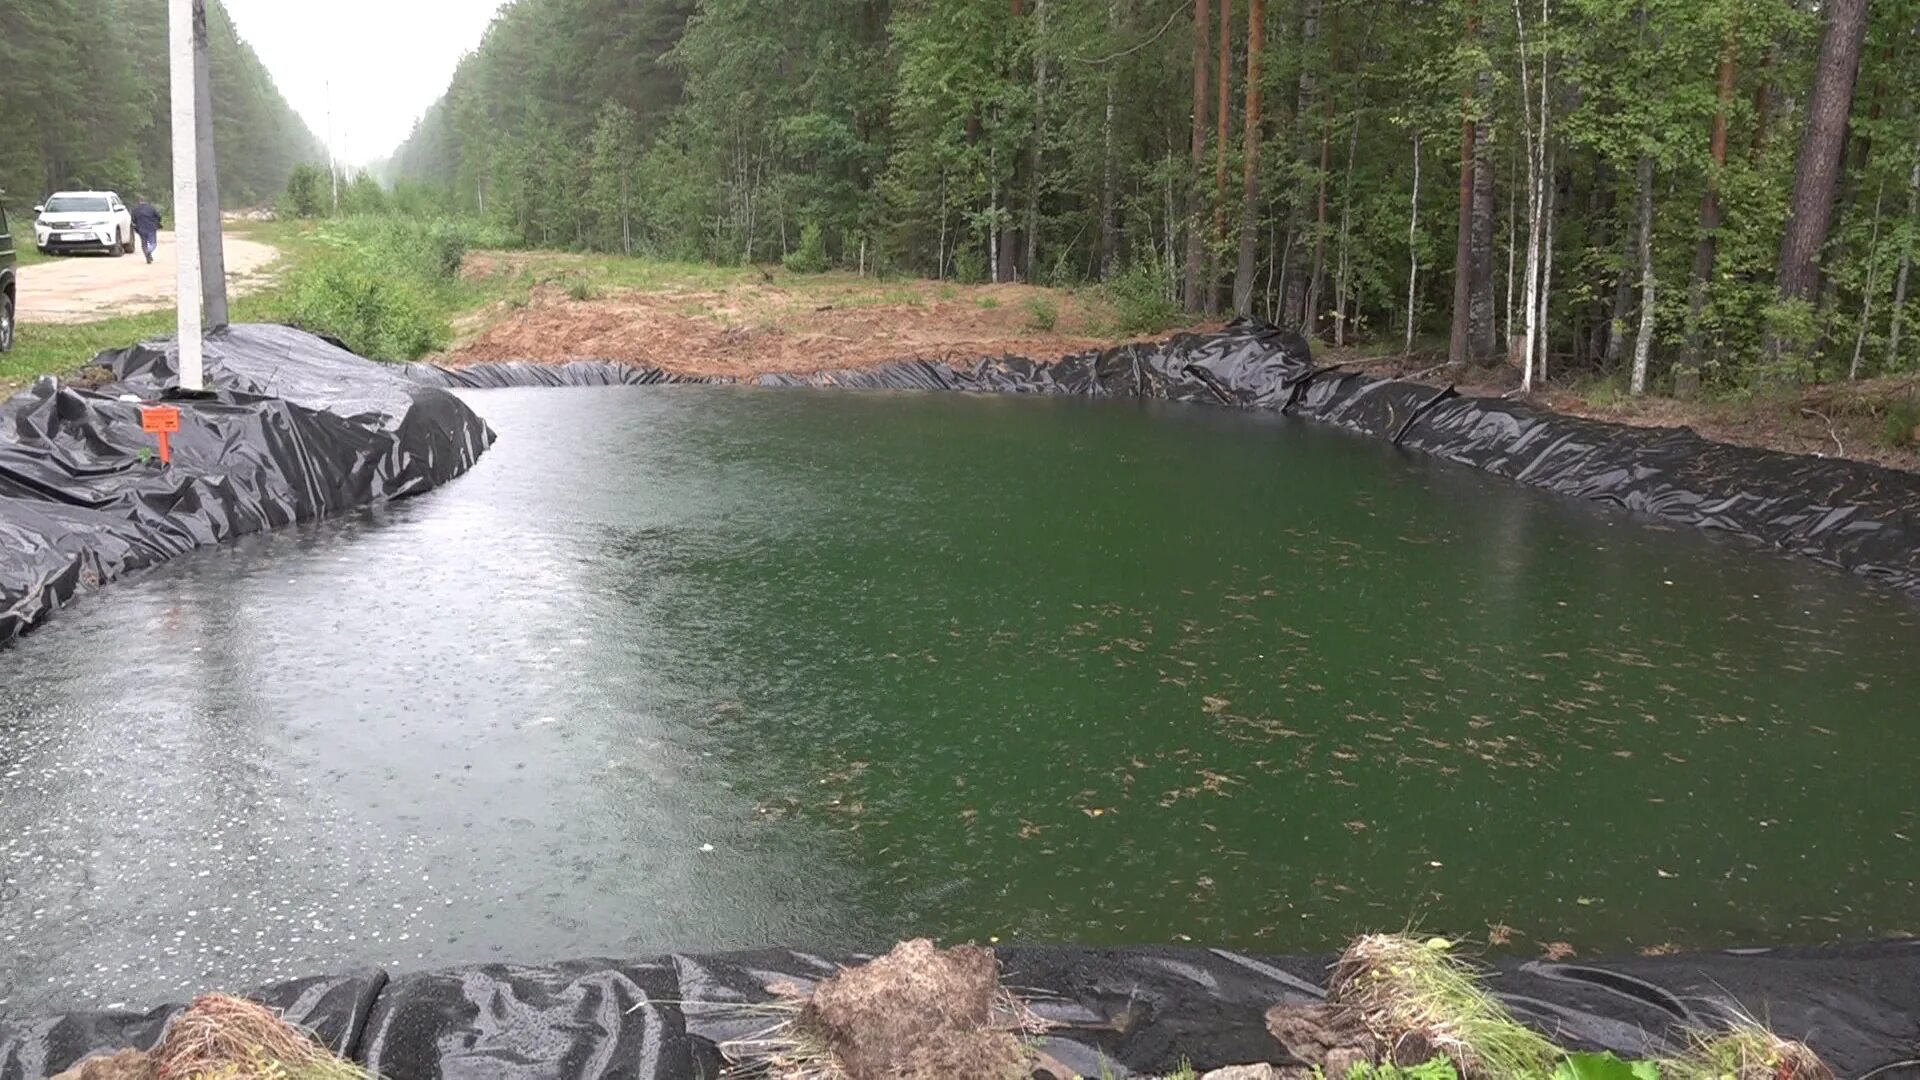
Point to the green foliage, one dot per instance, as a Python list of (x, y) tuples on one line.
[(362, 195), (1900, 428), (1588, 1066), (383, 285), (970, 266), (811, 256), (1439, 1068), (1043, 313), (1141, 298), (307, 194), (376, 315)]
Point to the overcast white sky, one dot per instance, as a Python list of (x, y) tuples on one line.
[(387, 60)]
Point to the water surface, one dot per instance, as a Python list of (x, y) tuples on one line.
[(708, 668)]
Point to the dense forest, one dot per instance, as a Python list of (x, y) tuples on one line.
[(84, 104), (1683, 192)]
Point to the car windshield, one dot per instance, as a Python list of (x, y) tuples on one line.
[(71, 204)]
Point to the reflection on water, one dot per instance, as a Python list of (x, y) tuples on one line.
[(708, 668)]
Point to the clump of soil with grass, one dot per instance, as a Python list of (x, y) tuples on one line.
[(1745, 1051), (1401, 1007), (1421, 1001), (219, 1037), (917, 1013)]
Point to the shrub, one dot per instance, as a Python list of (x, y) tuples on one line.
[(306, 192), (580, 288), (969, 266), (1141, 297), (377, 314), (1900, 428), (811, 256), (1042, 313)]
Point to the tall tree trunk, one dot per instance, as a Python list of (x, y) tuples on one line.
[(1035, 151), (1643, 343), (1816, 173), (1110, 166), (1193, 298), (993, 221), (1459, 350), (1297, 288), (1223, 113), (1413, 246), (1343, 275), (1873, 285), (1906, 265), (1513, 201), (1009, 246), (1617, 311), (1250, 170), (1310, 310), (1482, 321), (626, 215), (1536, 131), (1686, 375), (1546, 270)]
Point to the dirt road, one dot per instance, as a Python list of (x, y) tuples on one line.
[(83, 288)]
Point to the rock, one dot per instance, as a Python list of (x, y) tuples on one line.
[(125, 1065), (1329, 1036), (1246, 1072)]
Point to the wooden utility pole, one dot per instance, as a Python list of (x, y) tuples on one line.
[(213, 260)]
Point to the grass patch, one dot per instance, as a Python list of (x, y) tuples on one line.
[(1406, 988)]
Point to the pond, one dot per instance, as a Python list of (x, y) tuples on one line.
[(709, 668)]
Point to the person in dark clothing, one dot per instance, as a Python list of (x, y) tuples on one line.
[(146, 223)]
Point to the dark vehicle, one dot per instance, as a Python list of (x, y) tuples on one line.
[(9, 291)]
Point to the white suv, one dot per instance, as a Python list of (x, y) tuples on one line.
[(83, 221)]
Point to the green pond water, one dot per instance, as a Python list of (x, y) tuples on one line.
[(701, 668)]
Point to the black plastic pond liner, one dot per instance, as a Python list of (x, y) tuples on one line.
[(294, 429), (1129, 1011), (1860, 517)]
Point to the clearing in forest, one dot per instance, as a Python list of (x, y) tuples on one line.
[(740, 322)]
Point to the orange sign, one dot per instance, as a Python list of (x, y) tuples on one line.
[(159, 419)]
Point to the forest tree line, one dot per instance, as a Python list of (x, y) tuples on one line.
[(84, 105), (1678, 191)]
